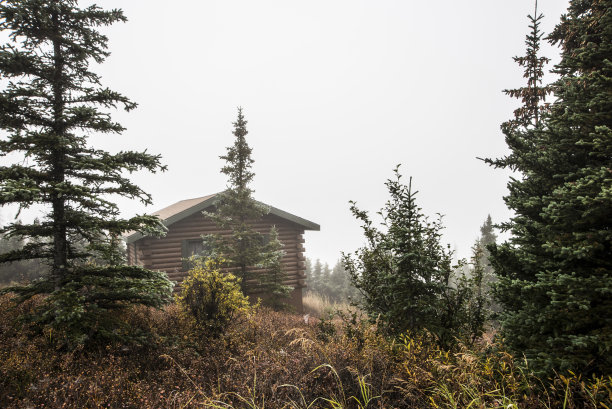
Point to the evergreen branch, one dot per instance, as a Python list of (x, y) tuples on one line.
[(29, 251)]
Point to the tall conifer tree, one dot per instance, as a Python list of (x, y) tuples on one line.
[(487, 232), (487, 239), (246, 250), (315, 279), (235, 208), (50, 102), (555, 271)]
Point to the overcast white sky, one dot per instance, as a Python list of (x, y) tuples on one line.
[(336, 92)]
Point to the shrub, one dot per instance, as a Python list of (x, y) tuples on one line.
[(211, 298), (406, 275), (279, 362)]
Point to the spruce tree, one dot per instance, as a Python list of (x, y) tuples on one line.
[(245, 251), (273, 276), (50, 103), (478, 302), (324, 281), (532, 95), (338, 285), (404, 272), (487, 239), (315, 278), (555, 271), (308, 269), (487, 232)]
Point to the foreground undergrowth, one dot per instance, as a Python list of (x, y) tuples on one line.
[(271, 360)]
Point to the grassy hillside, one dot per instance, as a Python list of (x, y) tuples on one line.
[(270, 360)]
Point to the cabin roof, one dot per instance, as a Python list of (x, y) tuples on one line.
[(185, 208)]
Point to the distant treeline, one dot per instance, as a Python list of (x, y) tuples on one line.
[(333, 284), (18, 271)]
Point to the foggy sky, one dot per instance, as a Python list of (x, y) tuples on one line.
[(336, 93)]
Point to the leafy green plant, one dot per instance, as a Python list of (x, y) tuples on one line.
[(211, 298)]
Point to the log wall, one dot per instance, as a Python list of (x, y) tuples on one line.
[(165, 253)]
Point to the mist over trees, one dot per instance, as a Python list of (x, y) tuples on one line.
[(332, 284), (480, 259), (21, 270), (547, 288)]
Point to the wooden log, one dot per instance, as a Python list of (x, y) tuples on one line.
[(176, 248), (175, 254), (155, 257), (200, 230), (288, 273), (197, 233), (212, 229), (289, 245), (164, 266), (288, 265)]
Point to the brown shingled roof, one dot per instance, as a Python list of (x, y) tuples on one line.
[(181, 206), (179, 210)]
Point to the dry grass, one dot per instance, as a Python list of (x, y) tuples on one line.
[(270, 360), (319, 306)]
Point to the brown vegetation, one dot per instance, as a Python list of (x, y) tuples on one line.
[(317, 305), (272, 360)]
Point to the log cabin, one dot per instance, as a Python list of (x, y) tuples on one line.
[(185, 226)]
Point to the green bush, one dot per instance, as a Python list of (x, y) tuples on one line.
[(406, 276), (211, 298)]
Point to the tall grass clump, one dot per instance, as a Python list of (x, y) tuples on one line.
[(319, 305)]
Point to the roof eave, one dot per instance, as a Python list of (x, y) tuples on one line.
[(175, 218), (306, 224)]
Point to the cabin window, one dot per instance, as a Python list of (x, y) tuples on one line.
[(192, 247)]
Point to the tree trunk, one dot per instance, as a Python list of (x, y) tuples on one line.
[(58, 202)]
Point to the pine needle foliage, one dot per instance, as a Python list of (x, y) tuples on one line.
[(481, 248), (535, 92), (245, 250), (50, 103), (555, 275), (477, 305), (405, 274), (272, 279)]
